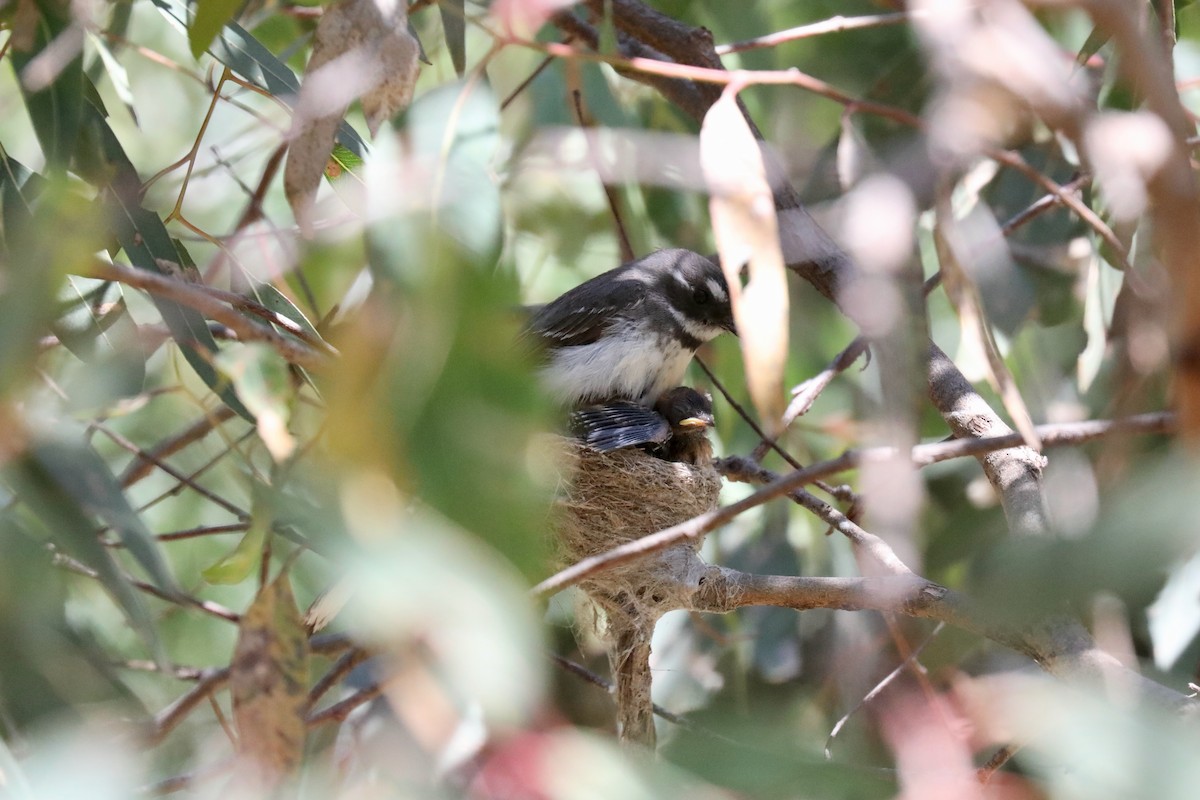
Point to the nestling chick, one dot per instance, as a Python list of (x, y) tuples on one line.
[(676, 429)]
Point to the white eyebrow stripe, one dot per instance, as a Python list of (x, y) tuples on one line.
[(718, 291), (694, 329)]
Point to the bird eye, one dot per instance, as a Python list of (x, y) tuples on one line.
[(701, 295)]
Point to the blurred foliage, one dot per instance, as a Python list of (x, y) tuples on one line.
[(164, 488)]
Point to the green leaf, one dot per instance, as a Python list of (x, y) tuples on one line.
[(117, 75), (145, 240), (49, 228), (79, 471), (346, 159), (237, 49), (454, 26), (19, 187), (72, 531), (114, 363), (55, 108), (274, 300), (236, 565), (81, 328), (211, 16), (262, 381)]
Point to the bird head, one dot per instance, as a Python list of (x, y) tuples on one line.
[(695, 288), (686, 410)]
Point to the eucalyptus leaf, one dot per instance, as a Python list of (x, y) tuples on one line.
[(54, 99), (454, 27), (238, 49), (71, 530), (240, 562), (79, 471), (210, 17), (148, 245)]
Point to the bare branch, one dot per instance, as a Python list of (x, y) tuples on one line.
[(342, 709), (207, 606), (169, 718), (141, 467), (198, 298), (209, 495), (1060, 646), (339, 670), (1052, 435), (836, 24)]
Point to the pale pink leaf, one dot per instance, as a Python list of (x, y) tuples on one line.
[(747, 235)]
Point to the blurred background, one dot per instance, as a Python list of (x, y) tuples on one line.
[(175, 493)]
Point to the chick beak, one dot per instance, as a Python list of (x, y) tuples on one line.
[(696, 423)]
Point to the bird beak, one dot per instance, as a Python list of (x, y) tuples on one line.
[(695, 422), (730, 326)]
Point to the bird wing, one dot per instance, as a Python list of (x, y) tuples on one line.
[(582, 315), (620, 424)]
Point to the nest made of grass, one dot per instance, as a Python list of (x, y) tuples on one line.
[(608, 499)]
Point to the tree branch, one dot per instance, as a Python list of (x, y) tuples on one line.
[(780, 485), (1060, 646), (196, 297)]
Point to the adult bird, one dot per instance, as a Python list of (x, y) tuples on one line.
[(629, 333)]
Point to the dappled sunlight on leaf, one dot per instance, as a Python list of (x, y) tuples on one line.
[(747, 236)]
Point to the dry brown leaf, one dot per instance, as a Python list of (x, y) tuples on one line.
[(269, 683), (362, 49), (747, 233)]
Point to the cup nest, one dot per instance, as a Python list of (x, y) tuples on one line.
[(609, 499)]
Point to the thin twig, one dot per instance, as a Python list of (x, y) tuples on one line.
[(205, 467), (196, 297), (793, 77), (169, 718), (141, 467), (1043, 204), (207, 606), (597, 680), (610, 194), (178, 672), (339, 670), (342, 709), (538, 70), (187, 779), (1051, 435), (689, 529), (998, 760), (210, 530), (836, 24), (832, 491), (208, 494), (879, 687), (804, 395)]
